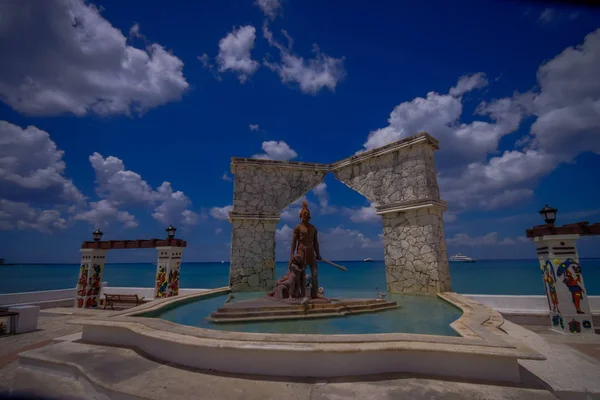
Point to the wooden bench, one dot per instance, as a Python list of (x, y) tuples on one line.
[(111, 299)]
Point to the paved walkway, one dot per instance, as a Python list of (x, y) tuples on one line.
[(122, 373), (52, 325), (572, 366)]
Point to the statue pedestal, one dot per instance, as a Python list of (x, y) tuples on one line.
[(270, 309)]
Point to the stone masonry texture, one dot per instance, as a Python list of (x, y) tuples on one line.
[(252, 255), (269, 189), (405, 175), (415, 252)]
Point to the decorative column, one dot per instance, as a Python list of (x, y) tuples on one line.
[(563, 280), (90, 278), (561, 272), (167, 271)]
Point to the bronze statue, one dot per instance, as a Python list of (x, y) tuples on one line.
[(305, 244), (292, 285)]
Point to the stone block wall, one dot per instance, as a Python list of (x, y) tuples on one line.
[(252, 255), (266, 187), (402, 174), (415, 251)]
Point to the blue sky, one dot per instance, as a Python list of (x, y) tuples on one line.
[(125, 116)]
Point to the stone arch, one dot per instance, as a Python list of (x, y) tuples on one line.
[(261, 189), (400, 178)]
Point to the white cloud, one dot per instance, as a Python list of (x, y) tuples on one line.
[(19, 215), (234, 53), (254, 127), (364, 214), (121, 187), (321, 71), (547, 15), (134, 31), (467, 83), (226, 177), (271, 8), (103, 212), (218, 231), (488, 239), (174, 207), (283, 234), (320, 191), (340, 238), (274, 150), (312, 75), (221, 212), (494, 184), (568, 104), (66, 58), (32, 167)]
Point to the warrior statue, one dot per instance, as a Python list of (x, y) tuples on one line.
[(305, 244)]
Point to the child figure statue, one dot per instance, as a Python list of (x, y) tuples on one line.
[(292, 285)]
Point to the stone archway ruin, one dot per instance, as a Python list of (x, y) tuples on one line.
[(399, 177)]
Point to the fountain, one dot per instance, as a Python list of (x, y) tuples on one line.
[(256, 325), (289, 300)]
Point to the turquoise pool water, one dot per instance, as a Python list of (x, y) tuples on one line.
[(415, 314)]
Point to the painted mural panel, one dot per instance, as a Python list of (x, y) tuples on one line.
[(174, 279), (94, 283), (162, 282), (566, 293), (82, 283)]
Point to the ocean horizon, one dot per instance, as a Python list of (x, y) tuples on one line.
[(498, 276)]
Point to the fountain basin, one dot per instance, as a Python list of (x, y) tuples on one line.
[(482, 351)]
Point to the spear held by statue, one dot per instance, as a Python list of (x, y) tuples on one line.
[(334, 264)]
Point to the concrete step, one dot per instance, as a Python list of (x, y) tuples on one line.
[(239, 314), (274, 305)]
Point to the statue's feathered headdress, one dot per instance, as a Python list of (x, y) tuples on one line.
[(304, 207)]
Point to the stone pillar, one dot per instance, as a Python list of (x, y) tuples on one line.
[(252, 253), (563, 281), (400, 178), (90, 278), (415, 251), (167, 271)]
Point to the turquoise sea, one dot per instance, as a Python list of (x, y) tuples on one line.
[(511, 277)]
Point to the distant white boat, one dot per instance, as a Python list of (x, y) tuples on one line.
[(461, 258), (368, 259), (222, 262)]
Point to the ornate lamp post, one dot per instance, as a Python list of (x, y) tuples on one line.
[(171, 231), (549, 214), (97, 235)]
